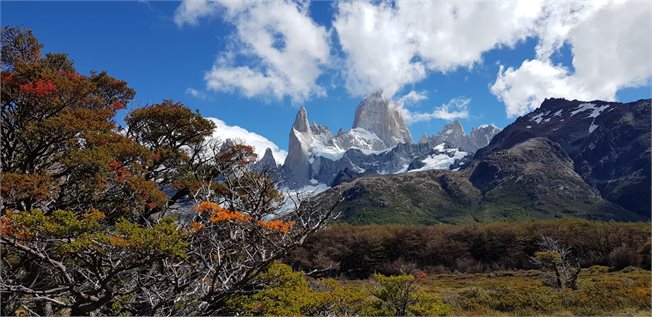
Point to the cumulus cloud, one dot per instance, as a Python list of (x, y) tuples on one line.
[(390, 45), (456, 108), (611, 50), (224, 131), (277, 50)]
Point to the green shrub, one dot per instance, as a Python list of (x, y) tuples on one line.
[(399, 296), (598, 269), (334, 299), (285, 293)]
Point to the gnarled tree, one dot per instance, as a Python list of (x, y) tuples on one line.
[(149, 218)]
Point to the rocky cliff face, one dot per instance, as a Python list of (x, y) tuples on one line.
[(377, 114), (296, 163), (608, 143), (567, 158), (454, 134)]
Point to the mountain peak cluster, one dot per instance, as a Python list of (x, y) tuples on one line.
[(379, 142), (566, 158)]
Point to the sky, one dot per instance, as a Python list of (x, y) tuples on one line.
[(250, 66)]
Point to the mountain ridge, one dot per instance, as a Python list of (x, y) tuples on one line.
[(378, 142), (567, 158)]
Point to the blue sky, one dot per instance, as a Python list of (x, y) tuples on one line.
[(166, 49)]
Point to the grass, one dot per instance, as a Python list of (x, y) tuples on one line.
[(518, 293)]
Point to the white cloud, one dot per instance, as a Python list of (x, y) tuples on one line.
[(413, 97), (283, 49), (388, 46), (190, 11), (456, 108), (611, 50), (196, 93), (259, 142)]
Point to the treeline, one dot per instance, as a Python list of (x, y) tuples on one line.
[(359, 251)]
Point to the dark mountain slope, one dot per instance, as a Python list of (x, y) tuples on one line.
[(608, 142), (568, 158)]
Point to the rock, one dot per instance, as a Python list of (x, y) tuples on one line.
[(379, 115)]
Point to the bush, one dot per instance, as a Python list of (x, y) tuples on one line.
[(624, 256), (400, 296), (334, 299), (609, 296), (520, 300), (285, 293), (596, 269)]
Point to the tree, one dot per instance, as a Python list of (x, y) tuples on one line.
[(399, 296), (555, 257), (91, 220)]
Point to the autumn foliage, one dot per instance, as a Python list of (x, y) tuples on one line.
[(94, 216)]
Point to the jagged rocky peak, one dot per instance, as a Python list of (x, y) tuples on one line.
[(378, 114), (268, 158), (301, 122), (453, 133), (424, 138), (296, 163), (454, 127), (266, 162)]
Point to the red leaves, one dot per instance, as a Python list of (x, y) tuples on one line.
[(114, 165), (156, 156), (421, 276), (72, 75), (118, 105), (7, 77), (39, 88), (238, 154)]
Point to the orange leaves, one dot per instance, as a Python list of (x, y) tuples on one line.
[(26, 187), (95, 214), (206, 206), (218, 214), (9, 229), (39, 88), (226, 215), (116, 241), (196, 227), (72, 75), (277, 225)]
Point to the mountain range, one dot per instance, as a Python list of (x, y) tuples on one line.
[(378, 143), (567, 158)]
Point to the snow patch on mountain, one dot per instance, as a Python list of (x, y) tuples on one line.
[(595, 110), (441, 161)]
